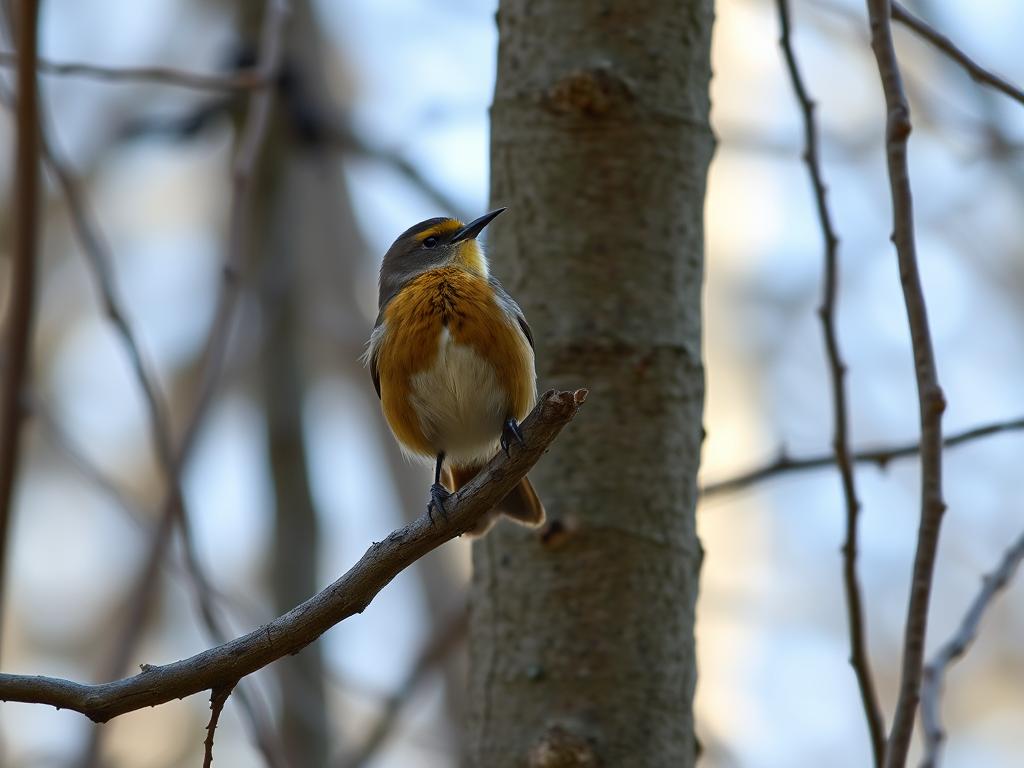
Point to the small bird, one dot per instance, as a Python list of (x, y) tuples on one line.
[(451, 357)]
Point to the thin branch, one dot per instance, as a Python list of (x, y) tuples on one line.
[(956, 646), (243, 80), (98, 256), (25, 212), (349, 595), (218, 698), (879, 456), (439, 645), (977, 73), (859, 658), (931, 400)]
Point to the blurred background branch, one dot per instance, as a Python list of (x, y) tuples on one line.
[(240, 81), (881, 457), (174, 511), (17, 352), (954, 648)]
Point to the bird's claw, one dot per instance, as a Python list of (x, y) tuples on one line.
[(438, 496), (510, 432)]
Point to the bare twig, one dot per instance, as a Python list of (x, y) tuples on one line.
[(98, 255), (350, 594), (879, 456), (946, 46), (932, 401), (439, 645), (956, 646), (218, 698), (243, 80), (859, 658), (25, 209)]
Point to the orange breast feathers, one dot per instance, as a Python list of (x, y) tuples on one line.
[(465, 304)]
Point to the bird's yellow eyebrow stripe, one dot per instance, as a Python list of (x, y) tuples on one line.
[(444, 228)]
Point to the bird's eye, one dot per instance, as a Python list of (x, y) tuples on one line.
[(430, 242)]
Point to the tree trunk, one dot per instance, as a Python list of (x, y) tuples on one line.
[(299, 202), (582, 648)]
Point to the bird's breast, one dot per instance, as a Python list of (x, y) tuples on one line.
[(453, 366), (460, 401)]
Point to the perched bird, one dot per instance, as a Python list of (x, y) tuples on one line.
[(451, 356)]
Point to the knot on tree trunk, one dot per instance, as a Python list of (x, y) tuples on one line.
[(560, 747), (592, 92)]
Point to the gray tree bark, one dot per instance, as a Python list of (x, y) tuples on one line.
[(582, 647)]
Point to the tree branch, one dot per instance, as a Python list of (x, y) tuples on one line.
[(218, 698), (352, 593), (880, 456), (956, 646), (98, 256), (837, 369), (931, 400), (243, 80), (977, 73), (25, 212)]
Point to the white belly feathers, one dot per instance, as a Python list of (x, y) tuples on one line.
[(460, 402)]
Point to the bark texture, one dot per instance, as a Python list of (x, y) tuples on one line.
[(582, 647)]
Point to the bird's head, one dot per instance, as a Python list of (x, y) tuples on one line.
[(432, 244)]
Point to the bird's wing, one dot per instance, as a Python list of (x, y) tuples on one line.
[(509, 305), (375, 374), (372, 347)]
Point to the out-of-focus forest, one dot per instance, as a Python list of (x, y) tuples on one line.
[(292, 474)]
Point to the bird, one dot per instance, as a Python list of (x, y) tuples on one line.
[(452, 359)]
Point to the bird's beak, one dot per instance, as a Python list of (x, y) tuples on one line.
[(475, 227)]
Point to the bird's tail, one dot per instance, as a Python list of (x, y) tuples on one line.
[(521, 504)]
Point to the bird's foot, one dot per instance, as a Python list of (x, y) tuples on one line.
[(510, 432), (438, 496)]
